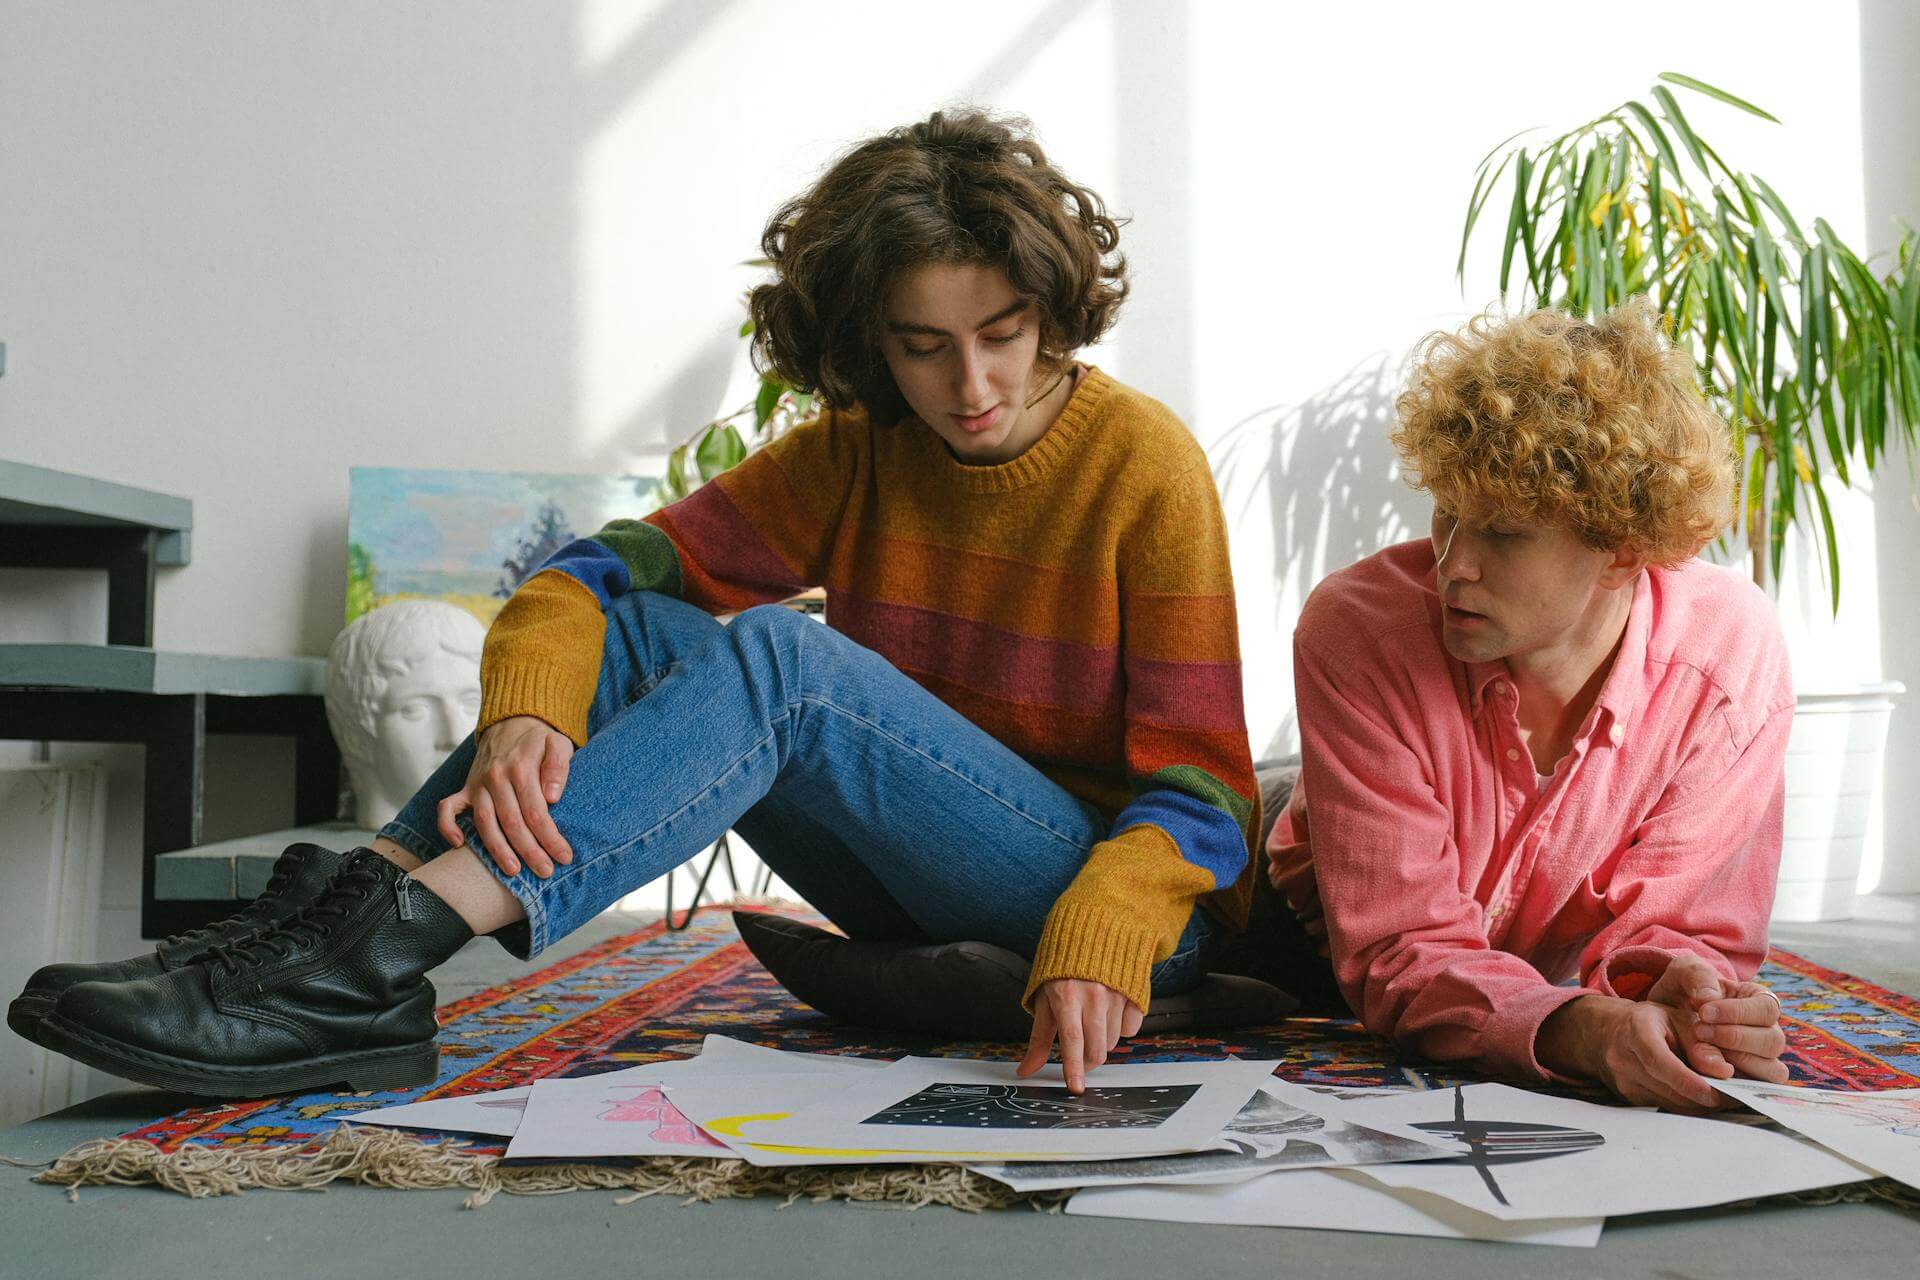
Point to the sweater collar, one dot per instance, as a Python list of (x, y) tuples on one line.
[(1046, 455)]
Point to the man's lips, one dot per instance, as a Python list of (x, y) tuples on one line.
[(1464, 617), (978, 422)]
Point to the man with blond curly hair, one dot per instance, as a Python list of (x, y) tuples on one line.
[(1547, 743)]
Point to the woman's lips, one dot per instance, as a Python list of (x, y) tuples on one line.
[(979, 422)]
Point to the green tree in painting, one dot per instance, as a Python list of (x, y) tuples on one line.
[(359, 581), (551, 531)]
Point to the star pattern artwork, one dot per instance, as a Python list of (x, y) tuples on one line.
[(998, 1106)]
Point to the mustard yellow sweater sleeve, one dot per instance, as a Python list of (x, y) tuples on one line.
[(1189, 832)]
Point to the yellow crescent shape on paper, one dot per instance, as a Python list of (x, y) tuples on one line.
[(729, 1126)]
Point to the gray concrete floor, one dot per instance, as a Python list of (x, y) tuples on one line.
[(351, 1232)]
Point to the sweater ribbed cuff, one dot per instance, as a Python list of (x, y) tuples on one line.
[(1088, 942), (553, 693)]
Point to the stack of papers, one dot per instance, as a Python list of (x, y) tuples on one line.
[(1208, 1142)]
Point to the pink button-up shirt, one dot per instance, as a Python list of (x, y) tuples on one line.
[(1457, 891)]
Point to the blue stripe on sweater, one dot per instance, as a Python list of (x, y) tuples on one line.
[(594, 567), (1207, 836)]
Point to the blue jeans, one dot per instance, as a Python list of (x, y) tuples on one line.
[(886, 809)]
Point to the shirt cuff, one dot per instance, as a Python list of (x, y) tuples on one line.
[(1508, 1035), (1631, 971)]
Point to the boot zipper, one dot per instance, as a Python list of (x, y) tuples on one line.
[(400, 887)]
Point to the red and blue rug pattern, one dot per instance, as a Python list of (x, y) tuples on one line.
[(655, 994)]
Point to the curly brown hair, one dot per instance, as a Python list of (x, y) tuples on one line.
[(1546, 419), (960, 187)]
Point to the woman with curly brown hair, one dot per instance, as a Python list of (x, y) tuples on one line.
[(1022, 724), (1548, 741)]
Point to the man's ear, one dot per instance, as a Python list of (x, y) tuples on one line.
[(1625, 566)]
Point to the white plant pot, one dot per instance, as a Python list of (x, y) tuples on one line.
[(1834, 764)]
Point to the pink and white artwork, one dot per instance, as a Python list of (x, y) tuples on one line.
[(649, 1106), (1880, 1130)]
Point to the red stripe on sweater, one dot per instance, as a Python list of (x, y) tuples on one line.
[(1185, 695), (1002, 664), (710, 529)]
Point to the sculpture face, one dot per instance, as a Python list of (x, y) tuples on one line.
[(422, 716), (403, 690)]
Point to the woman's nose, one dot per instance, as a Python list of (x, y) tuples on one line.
[(973, 389)]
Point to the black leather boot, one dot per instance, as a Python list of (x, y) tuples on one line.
[(299, 876), (336, 996)]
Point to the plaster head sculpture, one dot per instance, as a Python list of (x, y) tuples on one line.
[(403, 690)]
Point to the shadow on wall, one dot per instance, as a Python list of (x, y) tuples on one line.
[(1328, 472)]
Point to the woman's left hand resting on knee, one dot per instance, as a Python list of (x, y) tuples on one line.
[(1087, 1018), (519, 768)]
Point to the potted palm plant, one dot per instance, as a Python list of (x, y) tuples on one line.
[(1810, 353)]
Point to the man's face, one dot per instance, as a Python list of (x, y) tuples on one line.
[(1512, 591)]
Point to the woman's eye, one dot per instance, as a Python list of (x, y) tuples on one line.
[(919, 353), (1002, 340)]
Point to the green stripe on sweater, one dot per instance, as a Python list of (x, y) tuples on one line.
[(1196, 781), (651, 561)]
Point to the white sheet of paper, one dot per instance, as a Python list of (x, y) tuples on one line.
[(496, 1112), (1283, 1126), (499, 1112), (1537, 1156), (1327, 1200), (947, 1104), (1880, 1130), (733, 1108), (723, 1052)]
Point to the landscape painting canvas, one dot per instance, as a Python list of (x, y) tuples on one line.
[(470, 537)]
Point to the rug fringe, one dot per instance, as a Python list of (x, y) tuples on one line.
[(392, 1158)]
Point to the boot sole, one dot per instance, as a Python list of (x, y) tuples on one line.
[(27, 1012), (362, 1071)]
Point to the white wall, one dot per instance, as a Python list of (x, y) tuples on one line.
[(246, 247)]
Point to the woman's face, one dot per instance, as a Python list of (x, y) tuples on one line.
[(962, 346)]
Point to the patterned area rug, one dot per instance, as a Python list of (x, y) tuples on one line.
[(654, 994)]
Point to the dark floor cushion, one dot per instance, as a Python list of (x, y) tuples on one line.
[(962, 990)]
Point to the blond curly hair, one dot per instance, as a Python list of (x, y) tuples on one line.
[(1545, 419)]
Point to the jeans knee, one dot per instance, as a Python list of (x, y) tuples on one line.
[(771, 624)]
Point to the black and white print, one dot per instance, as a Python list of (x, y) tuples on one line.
[(1034, 1106)]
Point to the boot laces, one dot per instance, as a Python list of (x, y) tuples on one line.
[(311, 923), (257, 914)]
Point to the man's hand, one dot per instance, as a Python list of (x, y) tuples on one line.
[(519, 768), (1089, 1020), (1631, 1046), (1735, 1027)]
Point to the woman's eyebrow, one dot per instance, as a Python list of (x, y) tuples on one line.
[(1006, 312)]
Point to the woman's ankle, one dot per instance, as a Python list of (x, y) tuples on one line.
[(392, 852)]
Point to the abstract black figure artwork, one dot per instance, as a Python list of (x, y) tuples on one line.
[(1027, 1106), (1492, 1142)]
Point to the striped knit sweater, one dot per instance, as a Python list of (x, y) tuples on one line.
[(1075, 603)]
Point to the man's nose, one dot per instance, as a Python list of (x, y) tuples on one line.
[(1456, 559)]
